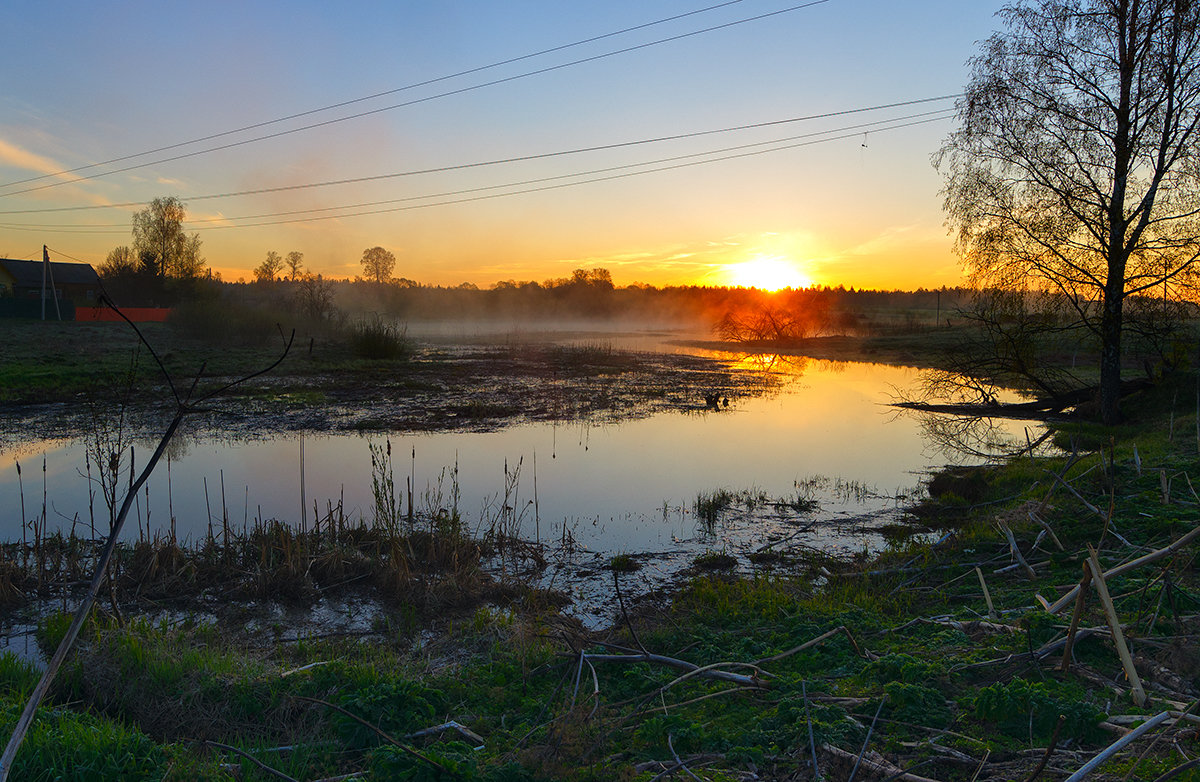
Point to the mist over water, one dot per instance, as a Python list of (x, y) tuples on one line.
[(610, 488)]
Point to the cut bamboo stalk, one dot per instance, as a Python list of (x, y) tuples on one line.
[(1114, 624)]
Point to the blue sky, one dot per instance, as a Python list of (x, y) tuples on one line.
[(100, 81)]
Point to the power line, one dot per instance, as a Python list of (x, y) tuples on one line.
[(586, 181), (502, 161), (851, 131), (404, 104), (857, 128), (72, 257), (373, 96)]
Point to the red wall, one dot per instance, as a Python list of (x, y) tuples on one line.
[(136, 314)]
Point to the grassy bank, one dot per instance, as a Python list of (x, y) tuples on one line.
[(936, 660)]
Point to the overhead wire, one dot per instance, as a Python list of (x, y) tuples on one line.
[(385, 93), (573, 184), (499, 161), (413, 102), (851, 131)]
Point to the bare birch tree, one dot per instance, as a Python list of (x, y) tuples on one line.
[(1075, 168)]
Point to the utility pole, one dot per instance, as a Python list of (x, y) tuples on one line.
[(47, 271)]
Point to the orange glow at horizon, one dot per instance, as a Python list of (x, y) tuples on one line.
[(768, 273)]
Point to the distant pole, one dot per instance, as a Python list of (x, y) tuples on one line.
[(45, 271)]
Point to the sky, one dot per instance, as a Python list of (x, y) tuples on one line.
[(513, 140)]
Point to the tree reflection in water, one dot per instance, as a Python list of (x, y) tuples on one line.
[(978, 438)]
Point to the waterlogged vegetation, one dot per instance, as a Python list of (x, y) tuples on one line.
[(434, 649), (462, 673)]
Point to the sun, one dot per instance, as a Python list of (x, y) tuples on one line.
[(768, 273)]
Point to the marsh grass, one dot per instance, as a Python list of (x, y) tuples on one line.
[(624, 563), (712, 508), (431, 565), (379, 340)]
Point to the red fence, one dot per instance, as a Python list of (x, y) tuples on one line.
[(136, 314)]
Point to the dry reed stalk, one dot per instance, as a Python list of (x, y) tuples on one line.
[(987, 596), (811, 643), (382, 734), (1012, 544), (1075, 617), (707, 671), (1114, 624), (1086, 770), (1153, 556), (881, 769)]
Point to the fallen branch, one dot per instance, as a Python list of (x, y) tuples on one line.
[(987, 596), (1037, 772), (1016, 551), (1075, 617), (1191, 764)]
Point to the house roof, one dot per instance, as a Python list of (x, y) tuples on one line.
[(29, 273)]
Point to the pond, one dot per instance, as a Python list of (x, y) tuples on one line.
[(818, 460)]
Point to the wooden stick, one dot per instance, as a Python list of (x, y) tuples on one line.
[(1188, 766), (1037, 772), (1153, 556), (463, 730), (1114, 624), (1036, 519)]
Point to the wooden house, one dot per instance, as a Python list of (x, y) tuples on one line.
[(77, 283)]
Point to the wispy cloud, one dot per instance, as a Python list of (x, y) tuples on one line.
[(15, 156)]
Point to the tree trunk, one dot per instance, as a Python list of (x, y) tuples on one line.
[(1110, 358)]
